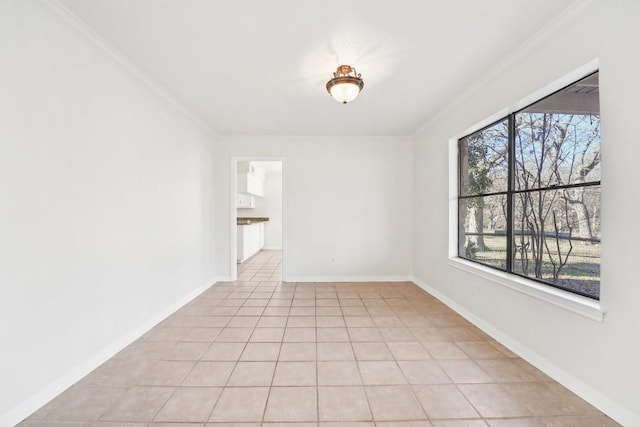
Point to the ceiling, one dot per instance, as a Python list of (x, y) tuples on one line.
[(256, 67)]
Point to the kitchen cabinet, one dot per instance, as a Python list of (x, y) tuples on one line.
[(250, 240), (250, 184), (250, 179)]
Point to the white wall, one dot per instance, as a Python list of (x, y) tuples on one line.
[(598, 360), (349, 204), (271, 206), (106, 199)]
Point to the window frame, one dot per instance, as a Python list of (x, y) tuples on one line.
[(506, 193), (584, 305)]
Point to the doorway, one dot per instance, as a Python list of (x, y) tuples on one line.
[(257, 249), (265, 266)]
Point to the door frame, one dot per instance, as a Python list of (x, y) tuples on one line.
[(233, 191)]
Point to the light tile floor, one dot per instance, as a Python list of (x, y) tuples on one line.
[(263, 266), (264, 353)]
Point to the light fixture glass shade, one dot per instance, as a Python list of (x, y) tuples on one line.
[(344, 92), (345, 85)]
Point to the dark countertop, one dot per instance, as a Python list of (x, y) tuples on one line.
[(246, 220)]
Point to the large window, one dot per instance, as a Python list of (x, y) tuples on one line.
[(529, 191)]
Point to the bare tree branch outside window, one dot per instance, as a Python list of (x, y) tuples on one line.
[(540, 181)]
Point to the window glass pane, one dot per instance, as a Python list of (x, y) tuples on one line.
[(556, 238), (483, 237), (553, 191), (557, 140), (483, 160)]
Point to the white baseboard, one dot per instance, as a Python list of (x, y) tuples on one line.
[(274, 248), (41, 398), (321, 279), (349, 278), (594, 397)]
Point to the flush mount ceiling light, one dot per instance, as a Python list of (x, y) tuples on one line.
[(345, 85)]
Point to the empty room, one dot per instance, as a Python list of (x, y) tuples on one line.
[(302, 213)]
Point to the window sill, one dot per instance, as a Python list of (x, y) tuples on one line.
[(575, 303)]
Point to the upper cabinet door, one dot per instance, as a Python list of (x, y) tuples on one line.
[(250, 179), (255, 186)]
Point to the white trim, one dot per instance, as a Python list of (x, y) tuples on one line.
[(586, 392), (285, 220), (233, 189), (78, 24), (581, 305), (586, 307), (498, 70), (342, 139), (320, 279), (233, 213), (41, 398), (560, 83)]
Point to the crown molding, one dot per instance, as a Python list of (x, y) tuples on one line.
[(556, 24), (82, 27), (312, 138)]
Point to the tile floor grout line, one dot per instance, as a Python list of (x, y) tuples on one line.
[(364, 388), (275, 368), (317, 362), (409, 385), (174, 391)]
